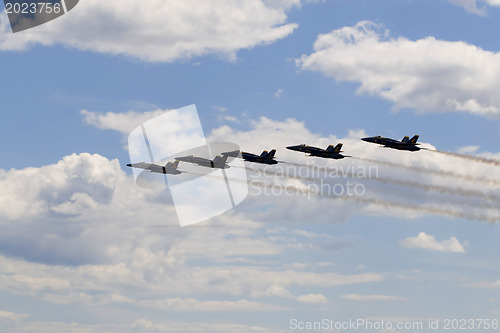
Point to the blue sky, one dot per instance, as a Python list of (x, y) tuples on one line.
[(81, 248)]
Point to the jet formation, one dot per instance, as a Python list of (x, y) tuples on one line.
[(220, 161)]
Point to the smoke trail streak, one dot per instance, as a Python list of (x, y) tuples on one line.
[(424, 187), (470, 158), (425, 170), (430, 209), (368, 200), (384, 203)]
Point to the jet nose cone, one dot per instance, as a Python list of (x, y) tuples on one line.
[(129, 165), (291, 147)]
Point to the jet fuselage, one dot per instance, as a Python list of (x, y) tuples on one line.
[(169, 168), (205, 162), (315, 151), (258, 159), (391, 143)]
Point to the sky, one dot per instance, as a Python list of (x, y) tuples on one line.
[(85, 249)]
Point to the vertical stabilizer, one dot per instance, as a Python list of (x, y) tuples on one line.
[(414, 139)]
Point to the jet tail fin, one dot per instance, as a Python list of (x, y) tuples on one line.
[(405, 139), (335, 149), (220, 159), (414, 140), (264, 153), (173, 165), (271, 153)]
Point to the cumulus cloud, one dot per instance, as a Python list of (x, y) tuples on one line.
[(130, 326), (478, 7), (485, 285), (107, 254), (279, 92), (190, 304), (73, 184), (471, 6), (312, 298), (83, 231), (428, 74), (124, 122), (7, 316), (274, 290), (161, 31), (429, 242), (363, 298)]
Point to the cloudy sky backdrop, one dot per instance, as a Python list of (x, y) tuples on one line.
[(83, 249)]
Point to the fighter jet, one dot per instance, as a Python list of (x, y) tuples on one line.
[(218, 162), (329, 152), (265, 158), (405, 144), (169, 168)]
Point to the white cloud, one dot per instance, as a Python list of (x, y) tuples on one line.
[(75, 182), (129, 326), (229, 118), (124, 122), (363, 298), (471, 6), (274, 290), (142, 283), (485, 285), (468, 150), (312, 298), (428, 75), (83, 229), (429, 242), (12, 316), (159, 30), (190, 304), (279, 92), (478, 7), (106, 255)]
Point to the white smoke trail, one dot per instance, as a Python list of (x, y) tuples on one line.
[(425, 170), (492, 198), (470, 158), (428, 209)]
